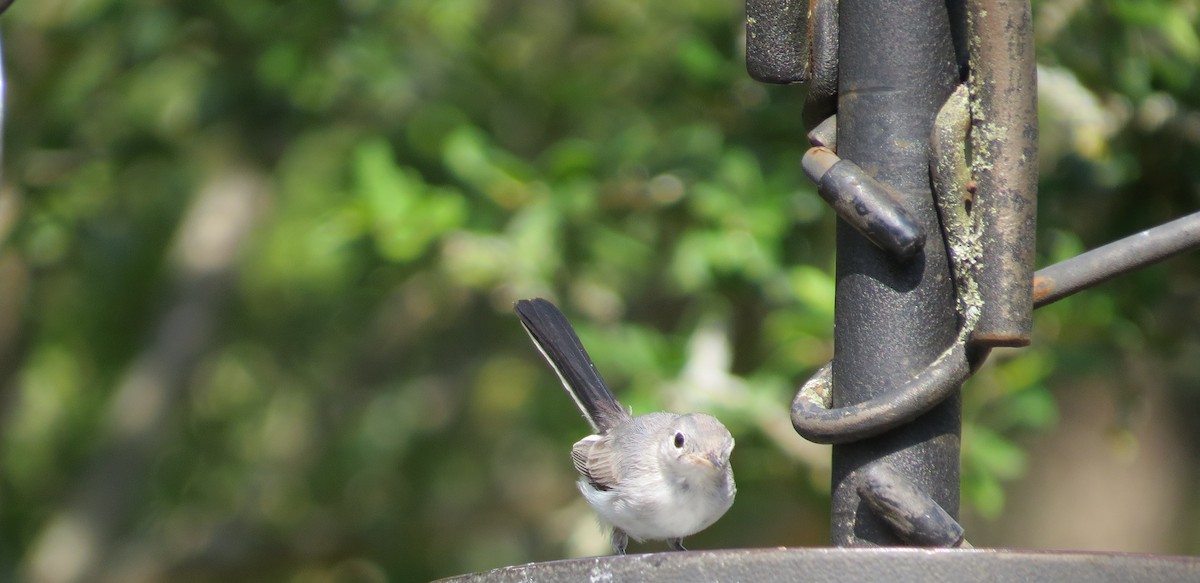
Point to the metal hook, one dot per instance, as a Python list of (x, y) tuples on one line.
[(815, 420)]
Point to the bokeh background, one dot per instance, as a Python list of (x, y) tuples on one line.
[(259, 259)]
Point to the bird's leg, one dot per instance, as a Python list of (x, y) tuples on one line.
[(676, 544), (620, 540)]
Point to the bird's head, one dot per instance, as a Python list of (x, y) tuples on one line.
[(696, 445)]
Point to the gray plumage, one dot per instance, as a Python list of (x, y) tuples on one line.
[(654, 476)]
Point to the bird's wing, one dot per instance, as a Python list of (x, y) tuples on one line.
[(594, 459)]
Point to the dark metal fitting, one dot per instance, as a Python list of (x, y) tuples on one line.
[(796, 41), (864, 203), (825, 134), (777, 41), (913, 515), (815, 420)]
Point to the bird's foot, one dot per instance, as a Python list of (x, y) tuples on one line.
[(620, 541), (676, 544)]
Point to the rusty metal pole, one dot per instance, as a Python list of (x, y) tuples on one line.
[(1004, 142), (893, 317)]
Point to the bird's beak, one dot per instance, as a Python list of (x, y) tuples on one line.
[(716, 459), (703, 460), (712, 459)]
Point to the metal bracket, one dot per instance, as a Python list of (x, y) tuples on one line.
[(796, 41)]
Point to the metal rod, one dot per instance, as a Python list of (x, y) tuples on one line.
[(864, 203), (914, 516), (1004, 145), (1101, 264), (892, 318)]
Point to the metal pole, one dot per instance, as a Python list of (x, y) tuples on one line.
[(893, 317)]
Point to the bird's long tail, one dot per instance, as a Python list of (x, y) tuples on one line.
[(556, 340)]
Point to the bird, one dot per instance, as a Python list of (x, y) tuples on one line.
[(656, 476)]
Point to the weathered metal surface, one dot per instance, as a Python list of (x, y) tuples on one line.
[(915, 517), (824, 133), (777, 40), (821, 101), (898, 403), (895, 68), (831, 565), (951, 176), (1004, 135), (1101, 264), (864, 203)]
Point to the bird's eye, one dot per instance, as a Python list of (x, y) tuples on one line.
[(678, 440)]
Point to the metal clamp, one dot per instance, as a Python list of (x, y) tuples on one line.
[(813, 414), (796, 41), (966, 224)]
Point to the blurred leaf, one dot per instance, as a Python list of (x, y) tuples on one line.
[(985, 494), (1019, 374), (408, 215), (995, 455), (814, 288)]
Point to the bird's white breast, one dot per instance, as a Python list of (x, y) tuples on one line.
[(654, 509)]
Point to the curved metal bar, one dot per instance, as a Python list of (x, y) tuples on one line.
[(960, 227), (814, 421)]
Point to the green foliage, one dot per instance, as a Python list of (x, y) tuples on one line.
[(351, 398)]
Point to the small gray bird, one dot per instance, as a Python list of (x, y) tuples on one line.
[(655, 476)]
